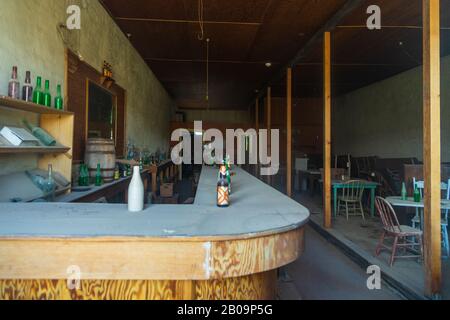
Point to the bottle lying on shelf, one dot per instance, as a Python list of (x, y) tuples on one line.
[(41, 134)]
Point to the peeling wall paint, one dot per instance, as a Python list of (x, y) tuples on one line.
[(31, 40)]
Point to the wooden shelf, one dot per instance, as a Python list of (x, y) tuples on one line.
[(29, 107), (35, 150)]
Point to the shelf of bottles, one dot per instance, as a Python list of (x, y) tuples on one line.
[(55, 131)]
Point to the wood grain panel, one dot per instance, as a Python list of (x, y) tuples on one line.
[(260, 286), (243, 257), (150, 259)]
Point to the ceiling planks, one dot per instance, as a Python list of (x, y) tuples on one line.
[(247, 34)]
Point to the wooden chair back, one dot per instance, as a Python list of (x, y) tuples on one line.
[(353, 189), (387, 214)]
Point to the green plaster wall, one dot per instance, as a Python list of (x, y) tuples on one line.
[(385, 119), (30, 39)]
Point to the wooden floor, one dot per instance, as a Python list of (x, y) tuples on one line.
[(362, 238)]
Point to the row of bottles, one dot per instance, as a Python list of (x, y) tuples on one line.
[(37, 95), (417, 197), (84, 178)]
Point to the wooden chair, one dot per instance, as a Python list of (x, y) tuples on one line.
[(351, 198), (401, 234), (416, 221)]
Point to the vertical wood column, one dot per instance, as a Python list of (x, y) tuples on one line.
[(432, 147), (269, 126), (256, 166), (289, 133), (327, 130)]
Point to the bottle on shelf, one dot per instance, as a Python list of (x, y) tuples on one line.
[(223, 194), (136, 192), (27, 89), (50, 185), (404, 194), (47, 98), (14, 85), (98, 176), (116, 173), (41, 134), (59, 105), (38, 95)]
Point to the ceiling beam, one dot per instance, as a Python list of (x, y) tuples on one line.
[(240, 23), (348, 7)]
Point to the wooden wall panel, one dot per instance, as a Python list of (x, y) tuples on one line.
[(78, 74), (260, 286)]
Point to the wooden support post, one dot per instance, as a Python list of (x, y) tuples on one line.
[(289, 133), (327, 130), (432, 147), (269, 126), (257, 133)]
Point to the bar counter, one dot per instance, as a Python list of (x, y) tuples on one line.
[(194, 251)]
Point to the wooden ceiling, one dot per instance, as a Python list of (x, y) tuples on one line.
[(245, 34)]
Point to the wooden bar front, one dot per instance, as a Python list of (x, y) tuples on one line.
[(194, 251)]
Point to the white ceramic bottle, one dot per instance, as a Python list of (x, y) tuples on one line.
[(136, 192)]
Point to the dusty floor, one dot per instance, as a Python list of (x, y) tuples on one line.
[(363, 237), (323, 272)]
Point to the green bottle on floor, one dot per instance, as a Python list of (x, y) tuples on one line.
[(47, 96)]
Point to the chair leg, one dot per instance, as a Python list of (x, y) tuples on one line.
[(419, 238), (445, 240), (394, 251), (346, 209), (380, 244), (362, 210)]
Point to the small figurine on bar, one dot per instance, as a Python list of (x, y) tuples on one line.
[(223, 194)]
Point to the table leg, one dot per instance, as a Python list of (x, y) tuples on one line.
[(335, 201), (372, 202)]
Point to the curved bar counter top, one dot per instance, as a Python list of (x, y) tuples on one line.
[(194, 251)]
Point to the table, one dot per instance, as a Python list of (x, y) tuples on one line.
[(410, 203), (312, 176), (164, 252), (340, 184)]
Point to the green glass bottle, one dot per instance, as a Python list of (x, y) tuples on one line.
[(404, 193), (98, 176), (86, 176), (58, 98), (417, 197), (81, 176), (47, 99), (38, 95)]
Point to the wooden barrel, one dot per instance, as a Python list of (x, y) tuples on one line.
[(103, 152)]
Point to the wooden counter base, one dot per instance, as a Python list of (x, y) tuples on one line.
[(260, 286)]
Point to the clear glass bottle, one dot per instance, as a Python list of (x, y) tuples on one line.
[(50, 185), (47, 98), (27, 89), (58, 98), (38, 95), (14, 85)]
